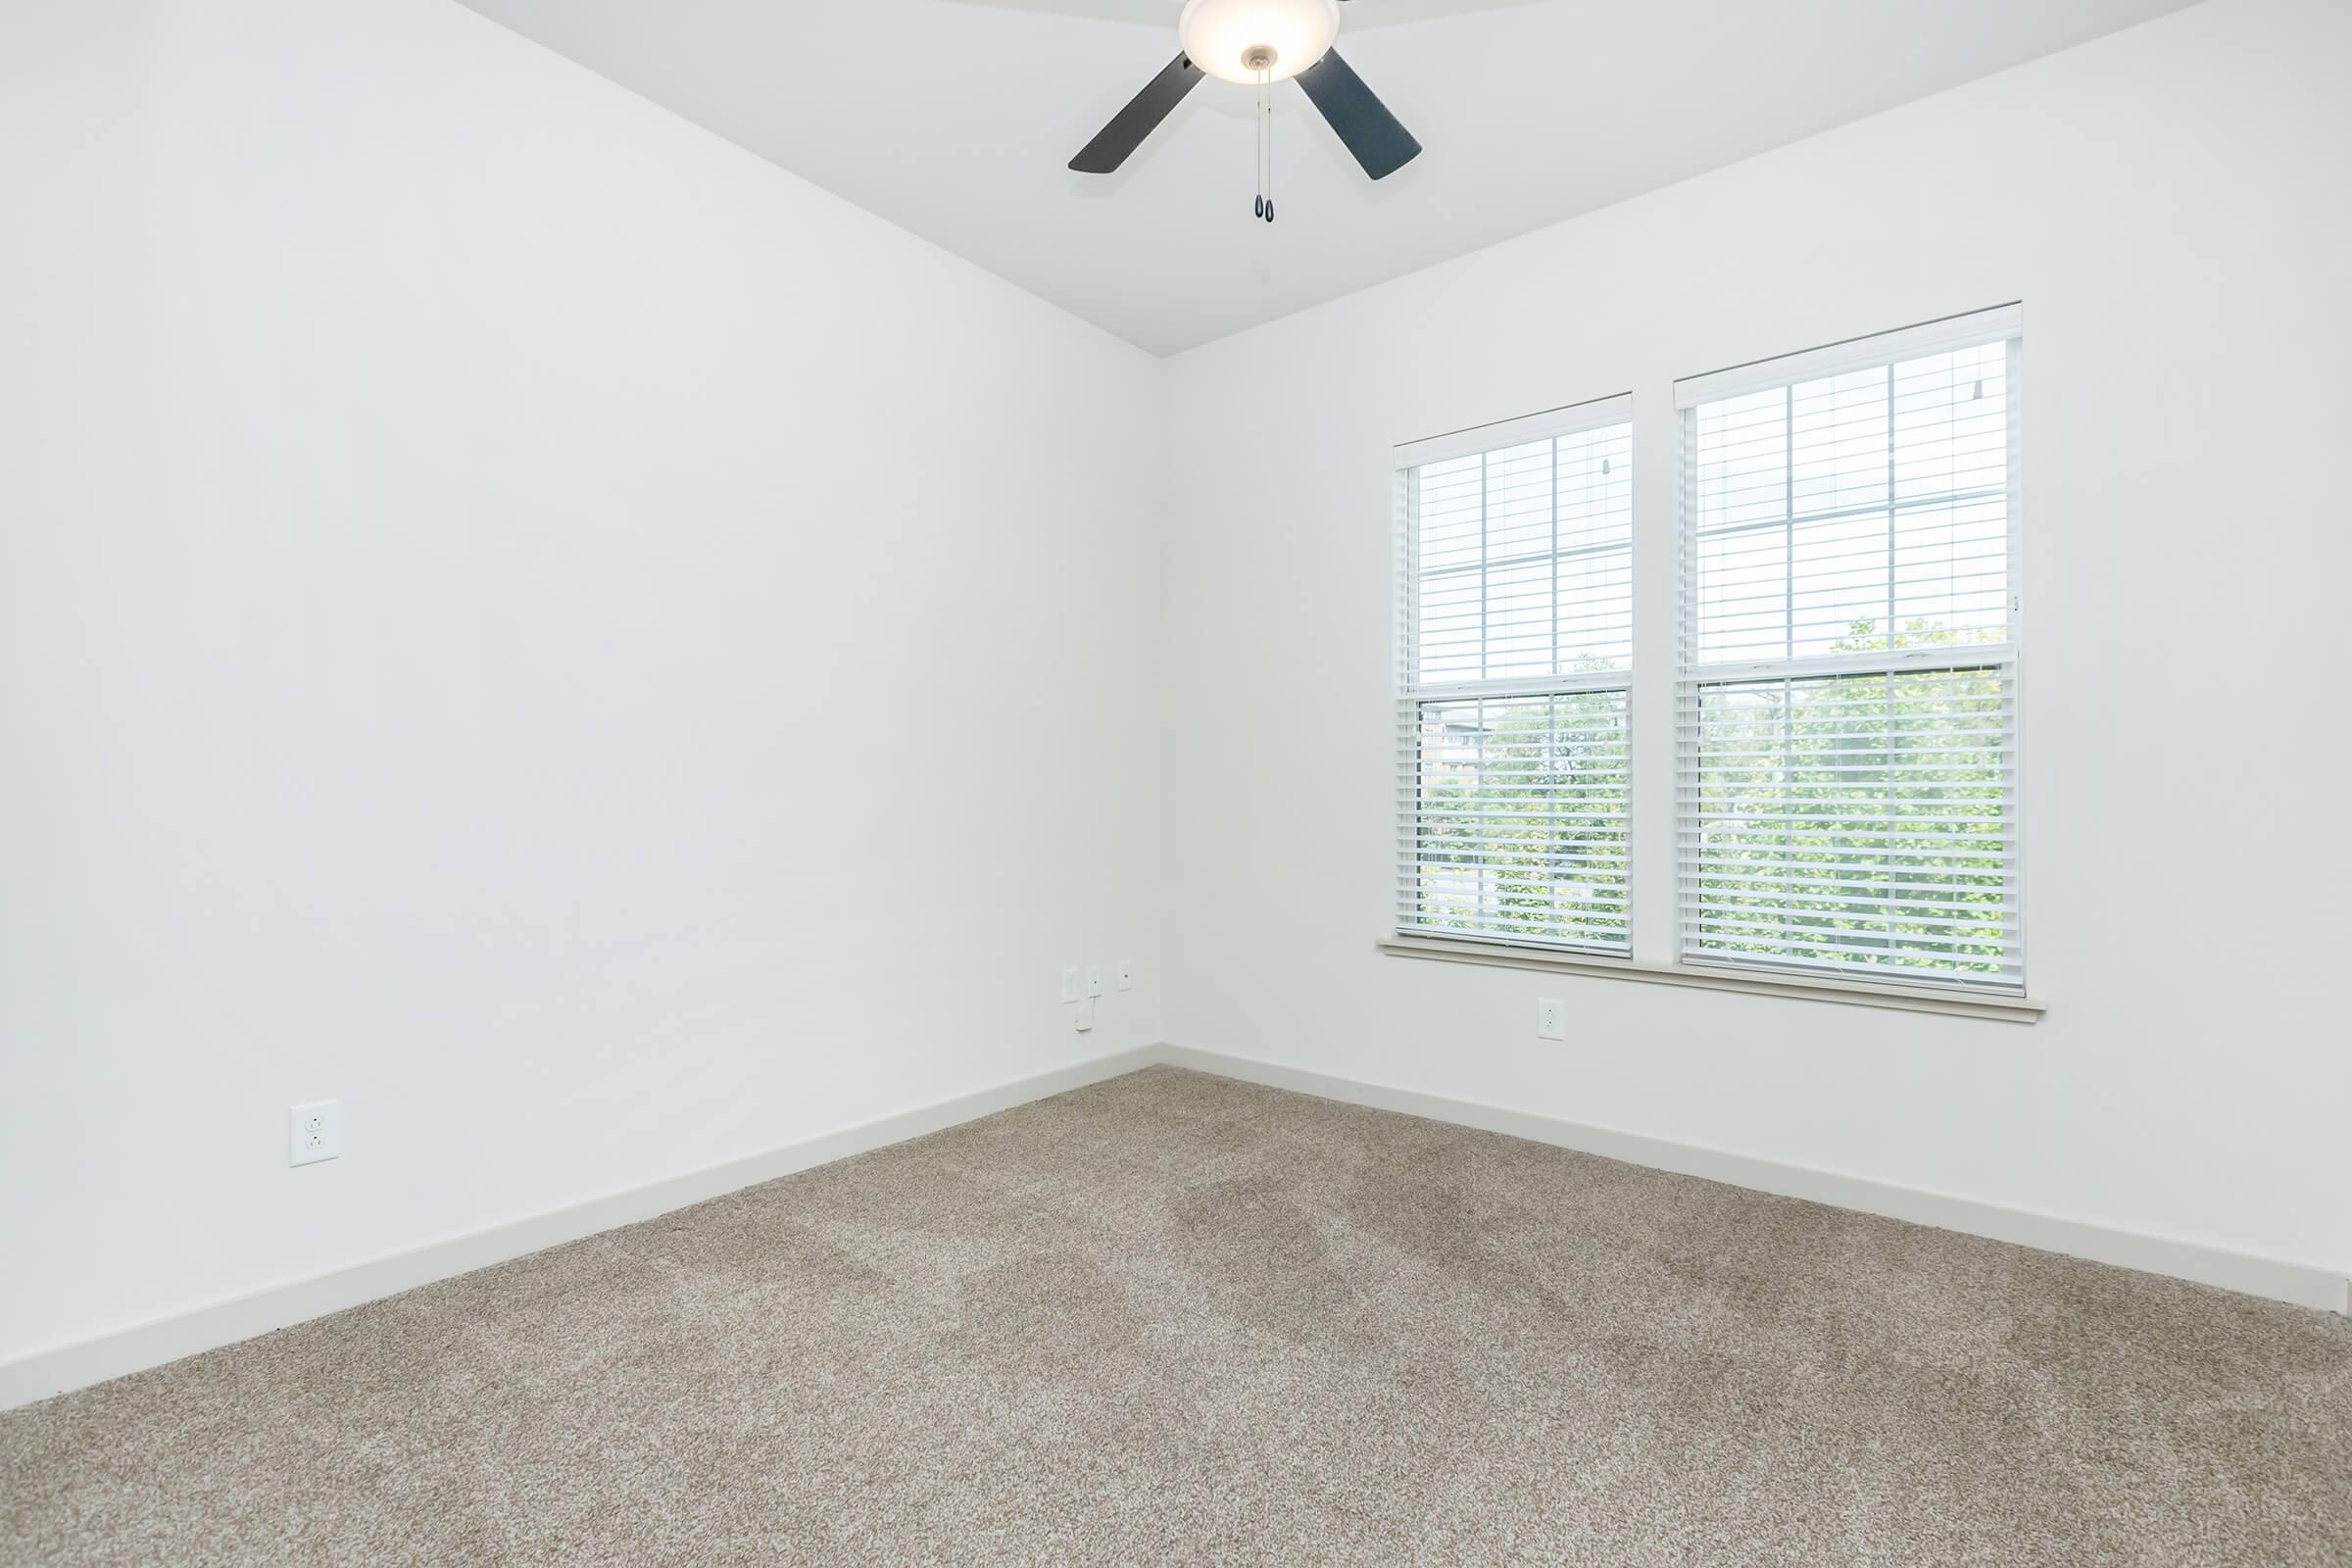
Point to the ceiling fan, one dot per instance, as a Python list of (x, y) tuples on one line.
[(1257, 43)]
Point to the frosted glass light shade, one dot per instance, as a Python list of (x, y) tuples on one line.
[(1223, 36)]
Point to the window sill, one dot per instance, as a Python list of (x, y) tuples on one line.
[(1911, 998)]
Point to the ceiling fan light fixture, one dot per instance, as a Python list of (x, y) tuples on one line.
[(1257, 40)]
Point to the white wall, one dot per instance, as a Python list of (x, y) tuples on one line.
[(2172, 206), (521, 616), (518, 614)]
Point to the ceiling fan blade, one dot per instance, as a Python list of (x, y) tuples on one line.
[(1142, 114), (1379, 143)]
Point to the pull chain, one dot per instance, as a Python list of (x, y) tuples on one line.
[(1264, 207), (1257, 169)]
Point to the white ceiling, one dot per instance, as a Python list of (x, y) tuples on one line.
[(955, 118)]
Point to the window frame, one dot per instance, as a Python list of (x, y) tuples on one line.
[(1411, 694), (2004, 325), (1656, 692)]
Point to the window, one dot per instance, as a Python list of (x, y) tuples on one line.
[(1846, 789), (1515, 654)]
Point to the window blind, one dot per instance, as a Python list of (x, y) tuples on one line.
[(1514, 654), (1847, 752)]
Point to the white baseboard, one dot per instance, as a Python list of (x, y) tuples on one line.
[(2302, 1284), (145, 1345), (111, 1355)]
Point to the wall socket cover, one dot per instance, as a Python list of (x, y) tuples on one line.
[(1126, 974), (1094, 979), (315, 1132), (1552, 1019)]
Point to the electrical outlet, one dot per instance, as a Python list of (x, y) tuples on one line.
[(1552, 1019), (1094, 980), (315, 1132), (1069, 985), (1126, 974), (1082, 1018)]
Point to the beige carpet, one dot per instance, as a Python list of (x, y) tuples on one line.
[(1173, 1317)]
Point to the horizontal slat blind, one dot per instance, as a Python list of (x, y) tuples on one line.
[(1848, 819), (1515, 823), (1515, 642), (1847, 788)]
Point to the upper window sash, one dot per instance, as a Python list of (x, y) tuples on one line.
[(1834, 510), (1516, 559)]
